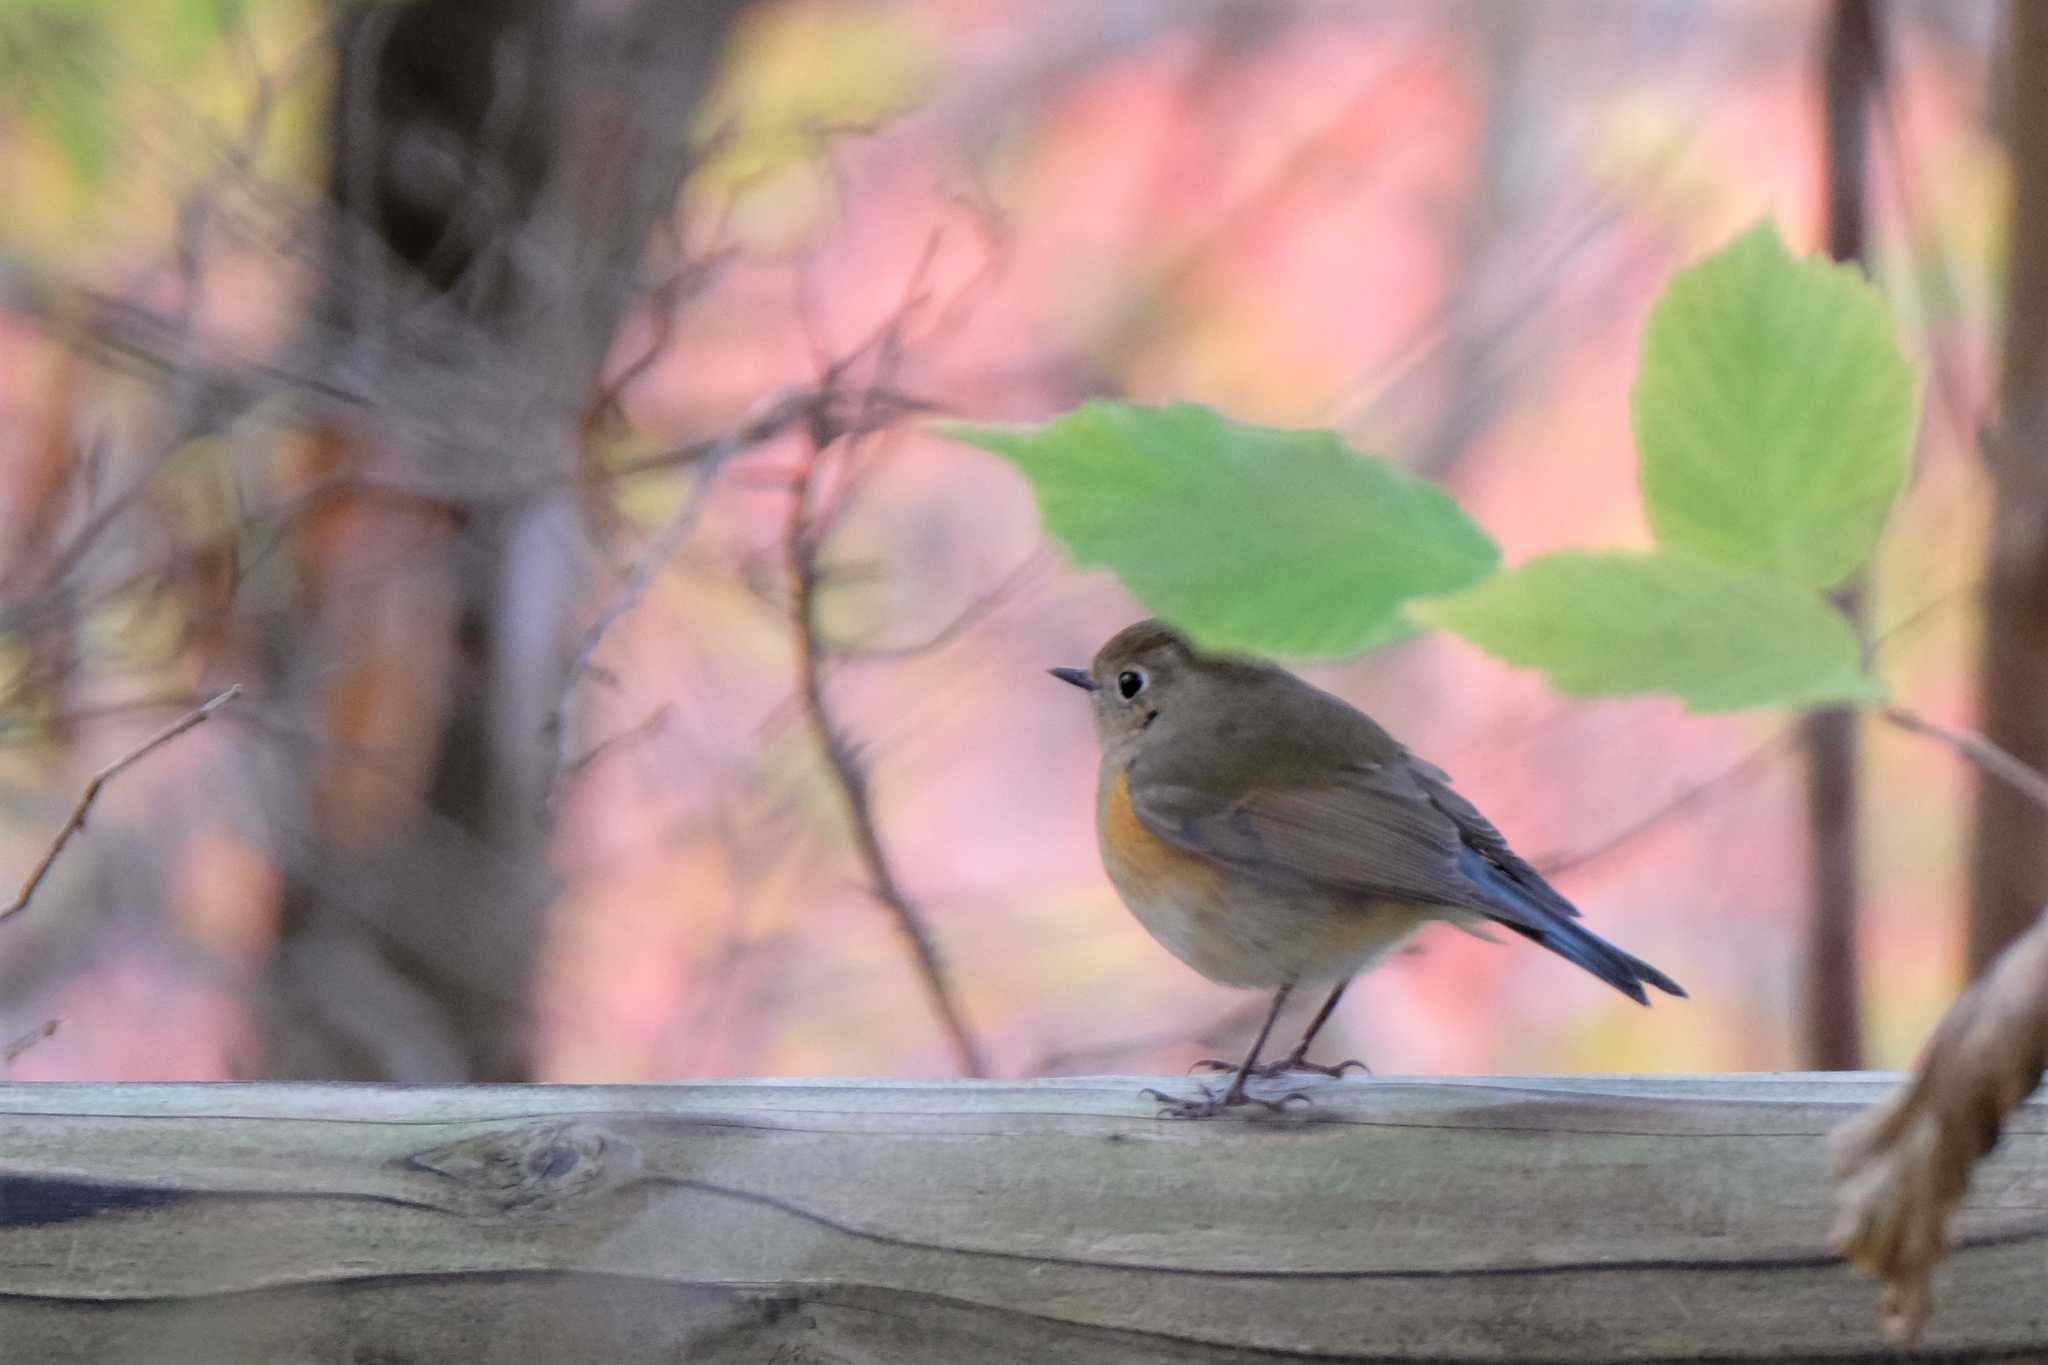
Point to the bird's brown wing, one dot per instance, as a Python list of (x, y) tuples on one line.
[(1379, 832), (1370, 830), (1385, 830)]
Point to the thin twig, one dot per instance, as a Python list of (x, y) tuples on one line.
[(656, 721), (1919, 616), (802, 545), (2022, 777), (196, 407), (685, 279), (771, 419), (961, 622), (886, 344), (819, 407), (807, 530), (22, 732), (1557, 864), (100, 779), (26, 1041), (895, 403)]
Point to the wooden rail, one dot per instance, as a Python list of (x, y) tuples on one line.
[(822, 1222)]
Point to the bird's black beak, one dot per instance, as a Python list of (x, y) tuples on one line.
[(1077, 676)]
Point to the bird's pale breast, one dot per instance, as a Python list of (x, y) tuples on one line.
[(1229, 927)]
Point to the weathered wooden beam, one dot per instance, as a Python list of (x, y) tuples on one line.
[(1539, 1218)]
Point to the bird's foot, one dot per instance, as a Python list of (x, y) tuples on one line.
[(1209, 1104), (1286, 1066), (1297, 1064)]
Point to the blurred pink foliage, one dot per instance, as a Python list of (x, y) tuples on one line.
[(1300, 222)]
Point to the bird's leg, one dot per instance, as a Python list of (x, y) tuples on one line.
[(1296, 1060), (1209, 1104)]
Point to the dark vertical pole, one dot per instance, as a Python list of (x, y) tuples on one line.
[(1851, 66), (2009, 866)]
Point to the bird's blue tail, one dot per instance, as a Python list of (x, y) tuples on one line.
[(1538, 913)]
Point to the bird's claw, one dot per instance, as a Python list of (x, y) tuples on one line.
[(1319, 1069), (1267, 1071), (1210, 1105)]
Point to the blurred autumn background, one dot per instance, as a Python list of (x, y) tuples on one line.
[(522, 402)]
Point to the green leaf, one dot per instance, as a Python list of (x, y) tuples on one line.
[(1722, 639), (1774, 414), (1253, 538)]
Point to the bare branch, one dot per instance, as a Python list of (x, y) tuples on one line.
[(14, 732), (802, 544), (2021, 777), (100, 779), (1556, 864), (822, 408), (1920, 616), (888, 405), (963, 621), (684, 280), (655, 722), (812, 520), (770, 419)]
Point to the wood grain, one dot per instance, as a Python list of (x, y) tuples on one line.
[(820, 1222)]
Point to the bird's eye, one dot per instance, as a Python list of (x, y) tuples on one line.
[(1129, 684)]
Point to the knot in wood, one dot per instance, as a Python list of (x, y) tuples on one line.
[(528, 1165)]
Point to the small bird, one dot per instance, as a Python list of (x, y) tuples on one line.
[(1271, 835)]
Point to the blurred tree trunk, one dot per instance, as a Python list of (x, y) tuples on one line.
[(496, 171), (2009, 875), (1851, 66)]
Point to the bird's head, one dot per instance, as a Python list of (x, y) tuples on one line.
[(1144, 670)]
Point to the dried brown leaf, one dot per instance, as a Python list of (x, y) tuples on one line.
[(1901, 1167)]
